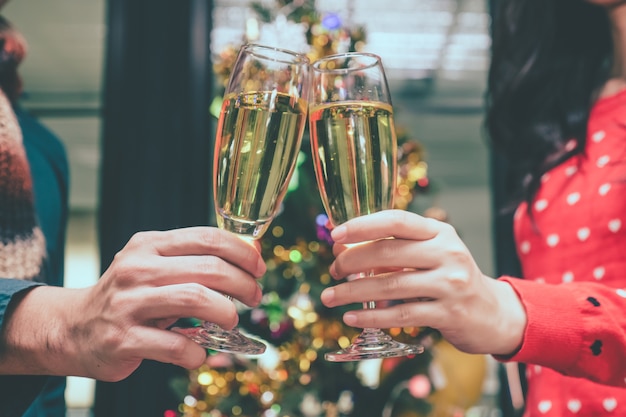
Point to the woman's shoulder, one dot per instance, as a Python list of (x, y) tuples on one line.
[(611, 88), (610, 98)]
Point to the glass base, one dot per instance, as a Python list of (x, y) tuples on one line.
[(373, 344), (244, 228), (211, 336)]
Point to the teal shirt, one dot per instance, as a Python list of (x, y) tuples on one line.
[(50, 173)]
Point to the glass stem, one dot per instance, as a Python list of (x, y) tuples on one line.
[(369, 305)]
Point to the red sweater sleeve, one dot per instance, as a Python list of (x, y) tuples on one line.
[(577, 329)]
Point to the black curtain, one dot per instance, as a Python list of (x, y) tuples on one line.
[(156, 146)]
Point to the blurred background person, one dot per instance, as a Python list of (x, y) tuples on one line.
[(34, 205)]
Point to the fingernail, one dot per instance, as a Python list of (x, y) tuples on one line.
[(338, 233), (350, 319), (258, 296), (260, 267), (327, 296)]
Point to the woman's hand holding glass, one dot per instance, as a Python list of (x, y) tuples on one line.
[(423, 264), (354, 150)]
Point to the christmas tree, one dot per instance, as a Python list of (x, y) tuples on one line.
[(292, 378)]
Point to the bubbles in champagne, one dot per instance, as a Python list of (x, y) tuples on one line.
[(354, 150), (258, 140)]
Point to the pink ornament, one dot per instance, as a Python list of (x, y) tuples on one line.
[(419, 386)]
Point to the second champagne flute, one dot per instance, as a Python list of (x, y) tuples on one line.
[(353, 142), (257, 143)]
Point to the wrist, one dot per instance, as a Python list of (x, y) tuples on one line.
[(36, 337), (512, 320)]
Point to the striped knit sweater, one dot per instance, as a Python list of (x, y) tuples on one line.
[(22, 244)]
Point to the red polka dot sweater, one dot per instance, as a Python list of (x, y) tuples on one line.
[(574, 262)]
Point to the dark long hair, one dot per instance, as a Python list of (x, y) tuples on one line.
[(548, 58)]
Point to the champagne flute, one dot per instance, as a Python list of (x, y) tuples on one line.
[(354, 149), (258, 138)]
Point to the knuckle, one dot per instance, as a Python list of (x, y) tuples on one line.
[(344, 291), (366, 318), (387, 249), (398, 219), (177, 349), (128, 268), (212, 238), (113, 354), (391, 284), (461, 266), (339, 267), (120, 302), (458, 279), (114, 340), (458, 312), (458, 256), (212, 266), (249, 290), (444, 228), (404, 315), (190, 294), (141, 239)]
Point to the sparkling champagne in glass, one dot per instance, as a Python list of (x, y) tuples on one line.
[(258, 138), (354, 149)]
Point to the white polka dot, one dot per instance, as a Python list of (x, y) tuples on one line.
[(540, 280), (609, 404), (615, 225), (537, 369), (604, 188), (621, 292), (573, 198), (541, 205), (583, 233), (544, 406), (568, 276), (545, 177), (571, 170), (602, 161), (598, 273), (524, 247), (552, 240), (570, 145), (574, 406), (598, 136)]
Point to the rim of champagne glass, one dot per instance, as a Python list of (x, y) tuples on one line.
[(377, 60), (299, 58)]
